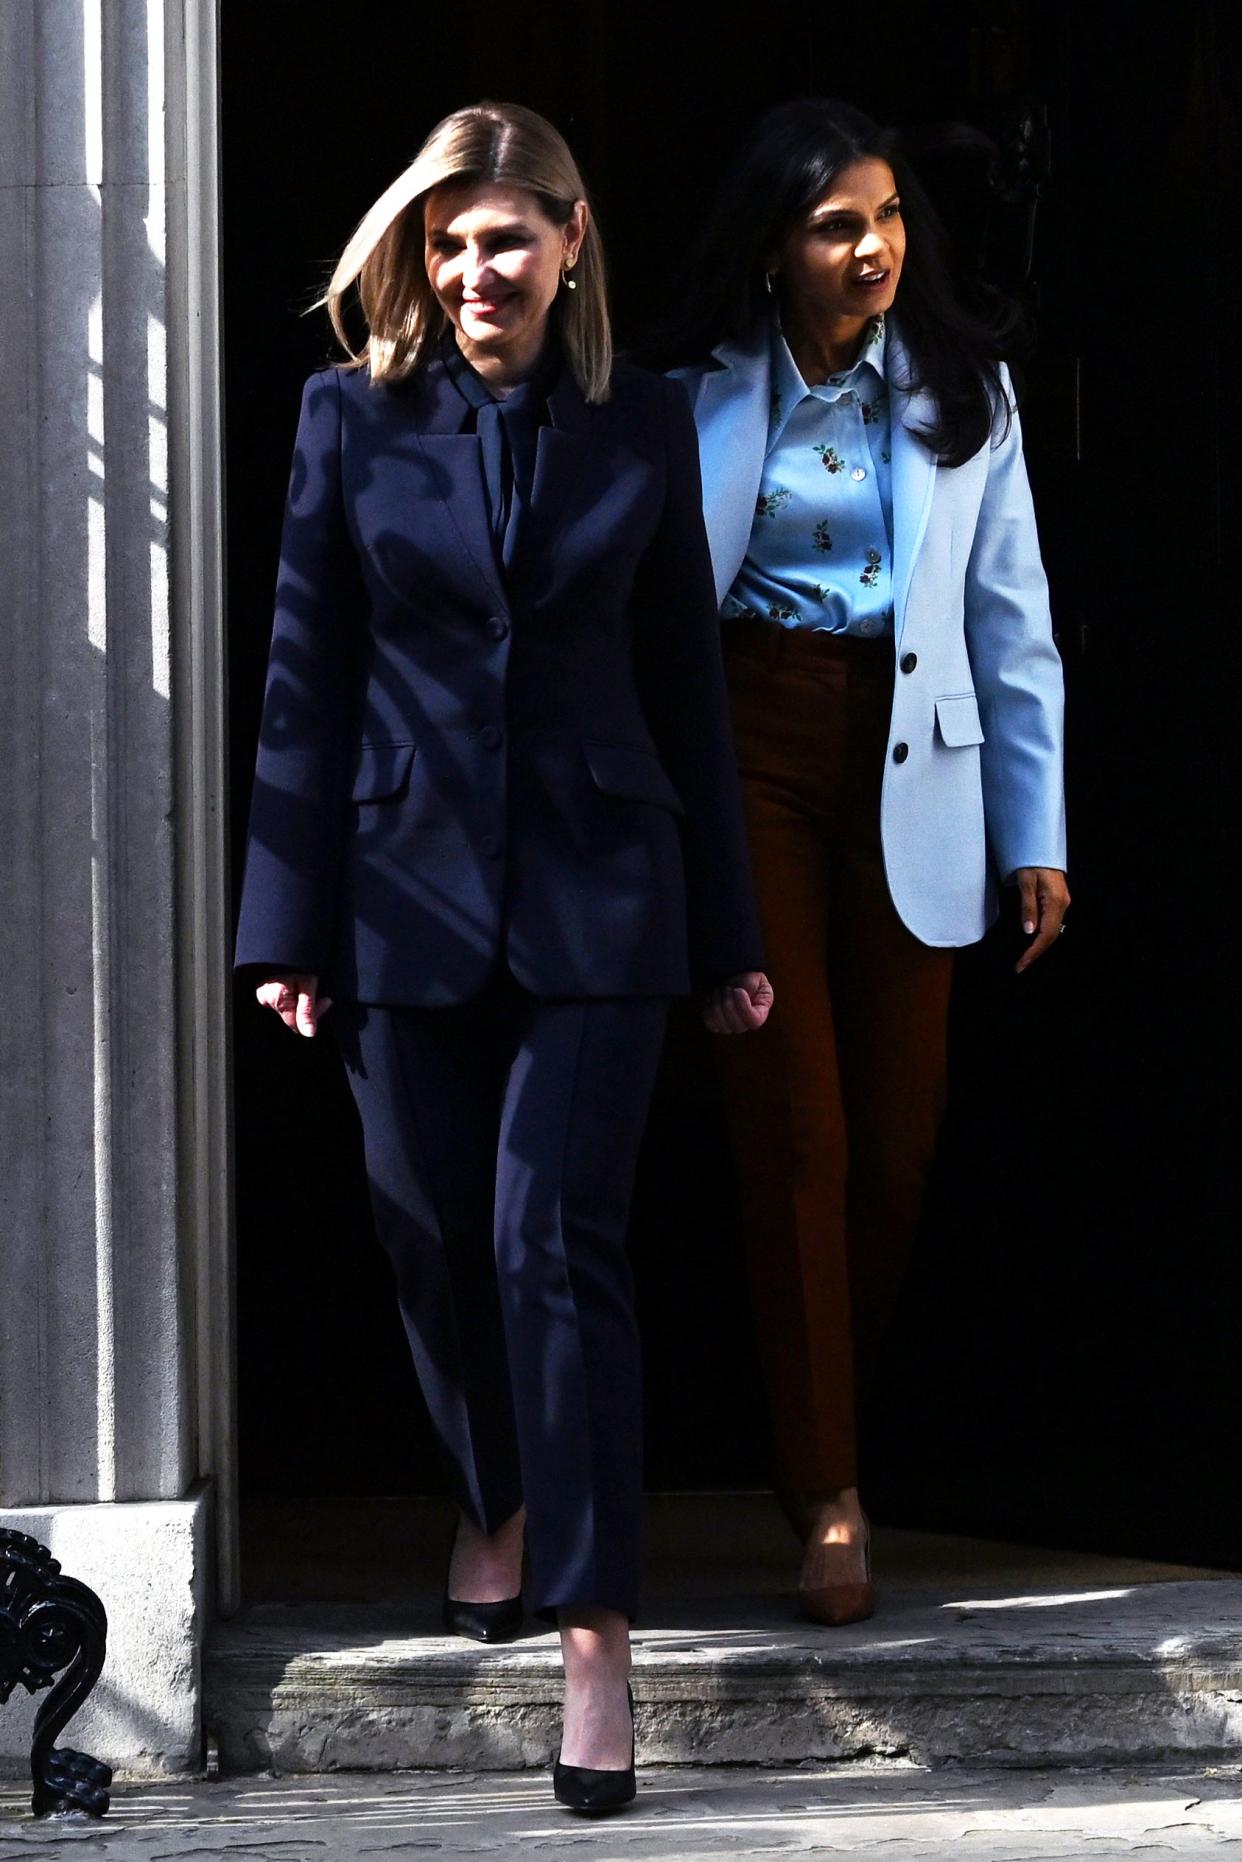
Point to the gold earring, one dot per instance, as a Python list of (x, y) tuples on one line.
[(569, 283)]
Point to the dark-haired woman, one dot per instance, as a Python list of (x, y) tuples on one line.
[(897, 705), (496, 820)]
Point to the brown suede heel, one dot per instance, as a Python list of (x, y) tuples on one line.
[(837, 1604)]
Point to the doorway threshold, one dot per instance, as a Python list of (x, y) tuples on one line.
[(979, 1652)]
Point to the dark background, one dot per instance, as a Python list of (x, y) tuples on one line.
[(1065, 1367)]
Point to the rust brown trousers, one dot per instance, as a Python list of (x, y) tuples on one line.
[(834, 1105)]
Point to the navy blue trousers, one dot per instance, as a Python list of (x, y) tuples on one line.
[(501, 1141)]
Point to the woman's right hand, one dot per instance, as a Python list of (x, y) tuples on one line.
[(743, 1003), (296, 1000)]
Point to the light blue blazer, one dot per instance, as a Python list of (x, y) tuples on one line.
[(978, 699)]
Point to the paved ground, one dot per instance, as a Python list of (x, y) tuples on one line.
[(692, 1815)]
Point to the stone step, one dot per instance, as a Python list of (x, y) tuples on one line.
[(979, 1653)]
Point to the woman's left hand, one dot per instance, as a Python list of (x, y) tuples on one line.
[(740, 1004), (1043, 898)]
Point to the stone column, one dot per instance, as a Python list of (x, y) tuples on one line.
[(115, 1348)]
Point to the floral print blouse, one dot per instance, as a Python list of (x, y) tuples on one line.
[(821, 545)]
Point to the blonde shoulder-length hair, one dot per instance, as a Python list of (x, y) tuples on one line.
[(487, 142)]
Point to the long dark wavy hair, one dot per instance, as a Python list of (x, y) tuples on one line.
[(790, 160)]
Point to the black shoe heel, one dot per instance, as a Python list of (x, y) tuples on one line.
[(595, 1793), (483, 1622)]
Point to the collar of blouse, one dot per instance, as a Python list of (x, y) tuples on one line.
[(789, 389)]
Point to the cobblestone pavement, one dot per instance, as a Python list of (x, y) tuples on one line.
[(692, 1815)]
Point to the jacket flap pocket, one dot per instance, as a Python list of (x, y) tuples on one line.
[(958, 719), (631, 774), (382, 771)]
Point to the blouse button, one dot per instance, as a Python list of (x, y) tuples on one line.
[(858, 473)]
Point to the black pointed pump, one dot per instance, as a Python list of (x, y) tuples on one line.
[(483, 1622), (596, 1793)]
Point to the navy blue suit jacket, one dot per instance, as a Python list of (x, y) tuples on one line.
[(460, 764)]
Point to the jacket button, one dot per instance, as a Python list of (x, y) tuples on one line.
[(900, 752), (909, 661), (491, 737), (491, 845), (497, 627)]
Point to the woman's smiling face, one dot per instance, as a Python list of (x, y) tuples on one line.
[(494, 262), (844, 259)]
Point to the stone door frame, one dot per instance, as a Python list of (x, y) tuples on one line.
[(204, 905), (117, 1343)]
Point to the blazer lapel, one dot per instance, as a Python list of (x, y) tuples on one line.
[(563, 450), (573, 467), (454, 461), (731, 409), (914, 478)]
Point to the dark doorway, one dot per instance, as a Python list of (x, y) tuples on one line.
[(1063, 1368)]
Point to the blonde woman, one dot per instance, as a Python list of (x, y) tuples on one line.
[(496, 821)]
